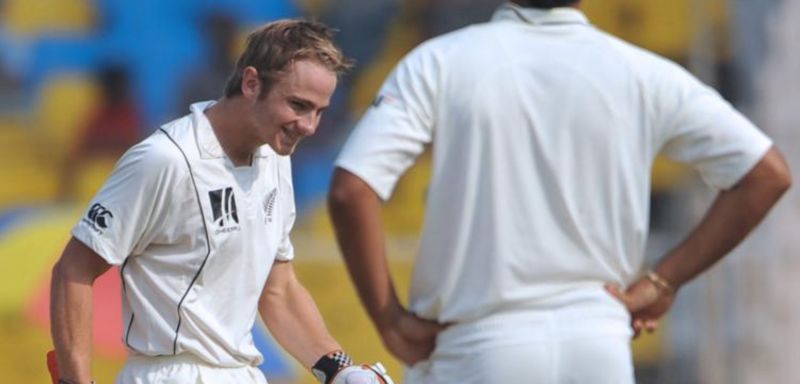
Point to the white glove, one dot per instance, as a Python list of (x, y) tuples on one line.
[(362, 374)]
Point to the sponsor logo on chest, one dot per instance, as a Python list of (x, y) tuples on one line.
[(223, 208)]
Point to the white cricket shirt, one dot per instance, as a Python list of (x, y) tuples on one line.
[(544, 130), (195, 238)]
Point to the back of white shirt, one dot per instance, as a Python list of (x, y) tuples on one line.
[(544, 131)]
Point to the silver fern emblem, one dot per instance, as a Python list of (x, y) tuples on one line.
[(269, 204)]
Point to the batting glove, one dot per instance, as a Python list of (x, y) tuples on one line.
[(363, 374), (337, 368)]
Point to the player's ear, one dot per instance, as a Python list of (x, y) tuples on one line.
[(251, 83)]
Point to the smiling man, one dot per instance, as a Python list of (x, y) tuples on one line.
[(197, 216)]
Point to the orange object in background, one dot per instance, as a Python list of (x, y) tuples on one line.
[(52, 366), (107, 314)]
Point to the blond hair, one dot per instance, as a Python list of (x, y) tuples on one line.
[(272, 48)]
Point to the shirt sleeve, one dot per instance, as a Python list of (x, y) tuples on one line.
[(132, 204), (705, 131), (396, 127), (289, 211)]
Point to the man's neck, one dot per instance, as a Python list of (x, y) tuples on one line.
[(224, 117)]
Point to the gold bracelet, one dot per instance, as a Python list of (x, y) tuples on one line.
[(660, 282)]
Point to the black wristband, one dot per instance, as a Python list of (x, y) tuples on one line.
[(327, 366)]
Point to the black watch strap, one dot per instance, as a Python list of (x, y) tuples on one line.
[(328, 365)]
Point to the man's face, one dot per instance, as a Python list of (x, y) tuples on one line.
[(292, 108)]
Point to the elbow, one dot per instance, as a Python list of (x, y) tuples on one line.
[(56, 273), (784, 180), (66, 271), (63, 271), (782, 184), (781, 179), (338, 195), (771, 176)]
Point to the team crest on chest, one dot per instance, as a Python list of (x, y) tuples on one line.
[(223, 208)]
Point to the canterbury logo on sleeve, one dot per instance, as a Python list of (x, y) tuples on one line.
[(98, 218), (384, 97)]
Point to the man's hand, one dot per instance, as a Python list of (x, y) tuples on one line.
[(733, 214), (646, 301), (408, 337)]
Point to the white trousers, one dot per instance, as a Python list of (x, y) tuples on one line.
[(541, 347), (184, 369)]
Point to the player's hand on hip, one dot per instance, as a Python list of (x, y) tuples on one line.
[(646, 301), (408, 337)]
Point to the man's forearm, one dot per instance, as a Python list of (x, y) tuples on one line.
[(355, 211), (731, 217), (293, 318), (71, 325)]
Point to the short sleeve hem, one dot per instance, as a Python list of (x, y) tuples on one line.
[(759, 148), (382, 189), (81, 233), (285, 254)]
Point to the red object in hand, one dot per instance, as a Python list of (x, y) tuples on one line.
[(52, 366)]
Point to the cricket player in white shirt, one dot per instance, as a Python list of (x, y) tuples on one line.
[(197, 217), (543, 131)]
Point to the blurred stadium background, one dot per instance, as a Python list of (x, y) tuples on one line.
[(80, 80)]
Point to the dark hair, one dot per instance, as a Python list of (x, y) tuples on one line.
[(273, 47), (546, 3)]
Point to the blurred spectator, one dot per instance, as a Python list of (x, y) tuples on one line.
[(361, 33), (14, 57), (113, 126), (207, 80), (362, 36), (754, 299), (441, 16)]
